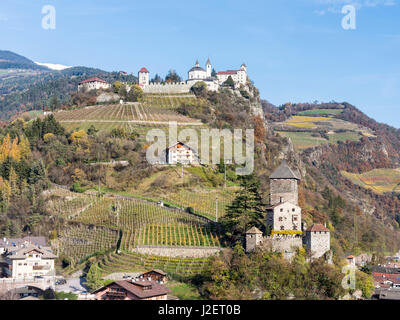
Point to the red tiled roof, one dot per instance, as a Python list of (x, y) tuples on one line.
[(228, 72), (317, 227), (144, 70), (92, 80)]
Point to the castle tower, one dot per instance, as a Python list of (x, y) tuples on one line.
[(284, 185), (317, 240), (243, 67), (208, 68), (253, 238), (143, 77)]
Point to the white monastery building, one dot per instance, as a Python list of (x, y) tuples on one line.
[(93, 84), (195, 74)]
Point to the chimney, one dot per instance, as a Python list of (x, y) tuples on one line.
[(280, 200)]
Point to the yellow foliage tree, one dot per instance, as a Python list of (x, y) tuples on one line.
[(79, 136), (25, 147)]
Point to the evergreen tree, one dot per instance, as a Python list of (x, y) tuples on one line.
[(229, 83), (245, 211)]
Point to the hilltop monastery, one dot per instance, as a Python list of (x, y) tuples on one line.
[(195, 74)]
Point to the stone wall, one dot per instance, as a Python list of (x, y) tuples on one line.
[(287, 189), (317, 243), (286, 244), (181, 252), (178, 87)]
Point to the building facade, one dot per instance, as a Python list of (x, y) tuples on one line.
[(93, 84), (30, 261), (181, 153), (195, 74), (317, 240), (132, 290), (143, 77)]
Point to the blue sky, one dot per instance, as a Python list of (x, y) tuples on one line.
[(295, 50)]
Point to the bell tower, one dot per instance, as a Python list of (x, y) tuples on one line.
[(208, 68)]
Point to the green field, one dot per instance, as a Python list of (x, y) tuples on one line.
[(378, 180), (303, 140), (329, 112)]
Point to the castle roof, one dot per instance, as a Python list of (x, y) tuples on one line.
[(254, 230), (317, 227), (144, 70), (284, 172), (272, 207)]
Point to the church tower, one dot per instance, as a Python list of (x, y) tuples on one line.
[(208, 68), (284, 185)]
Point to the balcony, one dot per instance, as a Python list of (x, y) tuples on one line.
[(114, 295)]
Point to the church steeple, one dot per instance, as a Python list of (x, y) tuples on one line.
[(208, 68), (197, 63)]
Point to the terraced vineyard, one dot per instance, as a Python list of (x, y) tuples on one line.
[(78, 242), (170, 101), (95, 224), (134, 262), (204, 202), (378, 180)]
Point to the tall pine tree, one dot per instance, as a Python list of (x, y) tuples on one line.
[(245, 211)]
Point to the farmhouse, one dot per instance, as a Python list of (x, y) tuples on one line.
[(181, 153), (154, 275), (132, 290), (93, 84)]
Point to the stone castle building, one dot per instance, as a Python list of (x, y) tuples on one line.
[(195, 74), (284, 223)]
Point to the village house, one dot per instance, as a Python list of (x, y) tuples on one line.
[(155, 275), (93, 84), (28, 261), (181, 153), (9, 243), (132, 290)]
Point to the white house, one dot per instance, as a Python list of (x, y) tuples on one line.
[(29, 261), (93, 84), (239, 77), (181, 153)]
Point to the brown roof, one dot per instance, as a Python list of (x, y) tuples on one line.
[(254, 230), (95, 79), (136, 288), (20, 253), (317, 227), (156, 271)]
